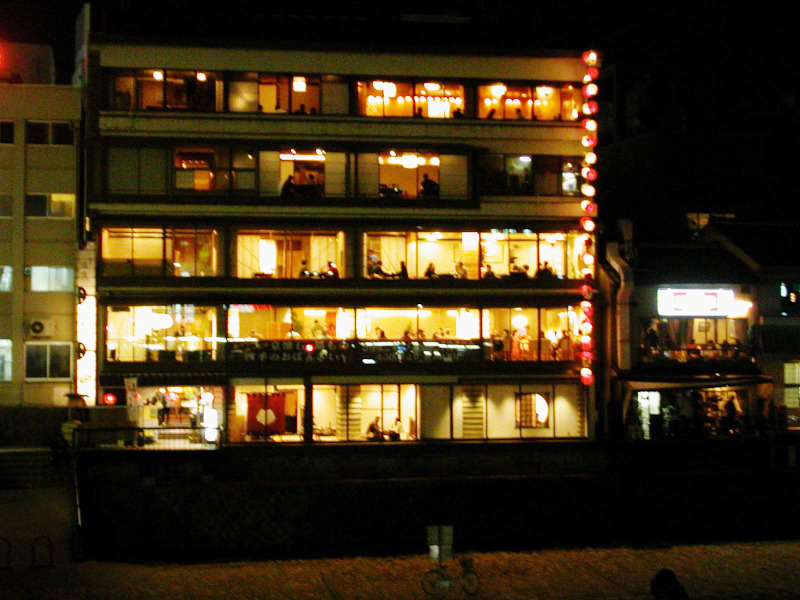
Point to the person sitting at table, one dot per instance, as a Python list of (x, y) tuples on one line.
[(304, 272), (287, 189), (461, 271), (545, 271), (402, 273), (332, 272), (314, 187), (375, 271), (396, 430), (374, 431), (301, 110), (317, 329), (488, 273), (430, 272)]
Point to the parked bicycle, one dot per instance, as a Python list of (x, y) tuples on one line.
[(438, 581)]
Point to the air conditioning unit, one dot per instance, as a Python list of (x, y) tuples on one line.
[(42, 328)]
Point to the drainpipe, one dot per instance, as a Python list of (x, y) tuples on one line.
[(621, 352)]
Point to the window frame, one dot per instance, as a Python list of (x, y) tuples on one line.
[(4, 125), (50, 275), (6, 364), (528, 419), (49, 205), (48, 345), (481, 174)]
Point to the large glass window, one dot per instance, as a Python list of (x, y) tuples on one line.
[(524, 102), (48, 360), (156, 89), (253, 92), (302, 173), (401, 412), (183, 332), (529, 175), (193, 90), (50, 205), (6, 359), (694, 338), (408, 175), (429, 99), (290, 254), (532, 334), (474, 255), (201, 169), (52, 279), (159, 252), (137, 90)]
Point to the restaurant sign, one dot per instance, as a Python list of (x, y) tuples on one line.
[(695, 302)]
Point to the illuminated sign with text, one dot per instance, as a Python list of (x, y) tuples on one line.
[(695, 303)]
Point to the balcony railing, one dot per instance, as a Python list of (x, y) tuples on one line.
[(385, 351)]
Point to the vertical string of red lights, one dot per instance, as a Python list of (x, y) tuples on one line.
[(589, 207)]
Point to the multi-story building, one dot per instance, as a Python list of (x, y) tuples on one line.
[(315, 245), (39, 126)]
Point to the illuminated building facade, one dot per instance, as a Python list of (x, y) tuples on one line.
[(294, 245), (39, 128)]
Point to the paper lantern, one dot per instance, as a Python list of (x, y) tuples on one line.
[(587, 377)]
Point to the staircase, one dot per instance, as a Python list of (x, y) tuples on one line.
[(24, 468)]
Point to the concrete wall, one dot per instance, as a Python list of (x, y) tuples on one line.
[(183, 505)]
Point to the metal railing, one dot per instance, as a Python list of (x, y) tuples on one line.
[(147, 438)]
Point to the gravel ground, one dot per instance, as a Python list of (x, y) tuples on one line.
[(730, 571)]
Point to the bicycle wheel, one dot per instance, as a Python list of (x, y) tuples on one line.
[(433, 582), (470, 582)]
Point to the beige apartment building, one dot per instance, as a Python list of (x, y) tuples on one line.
[(39, 128)]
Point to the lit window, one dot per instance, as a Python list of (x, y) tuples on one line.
[(50, 205), (302, 173), (533, 411), (48, 360), (5, 278), (408, 174), (5, 360), (428, 99), (52, 279), (202, 169)]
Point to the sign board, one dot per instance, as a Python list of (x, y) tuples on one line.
[(695, 302)]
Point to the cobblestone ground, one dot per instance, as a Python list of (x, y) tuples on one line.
[(730, 571)]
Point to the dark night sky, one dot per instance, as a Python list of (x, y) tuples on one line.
[(748, 43)]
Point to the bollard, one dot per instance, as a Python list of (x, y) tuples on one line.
[(42, 545)]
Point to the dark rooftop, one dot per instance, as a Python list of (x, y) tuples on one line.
[(688, 263), (768, 244)]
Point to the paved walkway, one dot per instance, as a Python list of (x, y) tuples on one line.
[(768, 570)]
